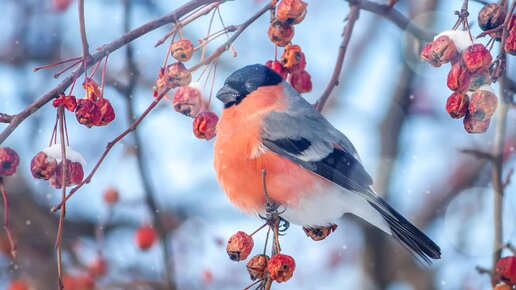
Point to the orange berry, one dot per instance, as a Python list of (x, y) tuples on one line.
[(111, 196), (257, 266), (19, 285), (291, 11), (182, 50), (281, 267), (239, 246), (319, 233), (281, 33)]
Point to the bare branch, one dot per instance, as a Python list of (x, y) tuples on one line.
[(4, 118), (7, 230)]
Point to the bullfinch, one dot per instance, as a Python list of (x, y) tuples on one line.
[(312, 169)]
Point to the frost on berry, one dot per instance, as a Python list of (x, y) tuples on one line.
[(457, 105), (461, 39), (301, 81), (111, 196), (505, 270), (319, 233), (293, 58), (205, 124), (476, 57), (459, 78), (42, 166), (9, 161), (93, 91), (491, 16), (257, 266), (291, 11), (106, 114), (239, 246), (188, 101), (281, 267), (69, 102), (281, 33), (277, 67), (510, 40), (146, 237), (442, 50), (74, 174), (483, 103), (182, 50), (87, 112), (472, 125)]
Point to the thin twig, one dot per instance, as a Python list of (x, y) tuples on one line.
[(346, 37), (482, 270), (478, 154), (7, 230), (82, 24), (64, 179)]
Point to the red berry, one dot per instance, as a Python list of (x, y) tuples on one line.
[(74, 174), (182, 50), (111, 196), (188, 101), (42, 166), (239, 246), (472, 125), (19, 285), (277, 67), (98, 268), (9, 161), (442, 50), (146, 237), (87, 112), (80, 282), (491, 16), (291, 11), (510, 40), (205, 124), (459, 79), (476, 57), (457, 105), (480, 78), (69, 102), (293, 59), (301, 81), (281, 267), (506, 270), (281, 33), (257, 266), (482, 104), (61, 5), (107, 113), (93, 91), (319, 233)]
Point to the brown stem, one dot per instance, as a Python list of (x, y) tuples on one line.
[(7, 230), (64, 179), (346, 37), (82, 24), (4, 118)]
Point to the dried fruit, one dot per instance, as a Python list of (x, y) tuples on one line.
[(239, 246), (9, 161), (281, 33), (505, 270), (293, 59), (257, 266), (69, 102), (93, 91), (476, 57), (19, 285), (482, 104), (177, 75), (277, 67), (146, 237), (491, 16), (42, 166), (205, 124), (281, 267), (98, 268), (472, 125), (74, 174), (480, 78), (510, 40), (301, 81), (188, 101), (111, 196), (457, 105), (107, 113), (182, 50), (87, 112), (291, 11), (442, 50), (319, 233), (459, 79)]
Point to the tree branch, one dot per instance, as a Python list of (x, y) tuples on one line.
[(346, 37), (4, 118), (82, 24)]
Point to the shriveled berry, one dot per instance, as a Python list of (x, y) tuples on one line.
[(93, 91), (281, 267), (293, 58), (472, 125), (480, 78), (457, 105), (482, 104), (505, 270), (188, 101), (319, 233), (459, 78), (107, 113), (239, 246), (277, 67), (301, 81), (74, 174), (291, 11), (42, 166), (510, 40), (257, 266), (205, 124), (9, 161), (442, 50), (182, 50), (178, 75), (491, 16), (19, 285), (146, 237), (281, 33), (477, 57), (111, 196), (87, 112), (69, 102)]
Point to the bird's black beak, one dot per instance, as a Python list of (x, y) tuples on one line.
[(228, 96)]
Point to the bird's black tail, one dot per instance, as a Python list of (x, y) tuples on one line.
[(412, 238)]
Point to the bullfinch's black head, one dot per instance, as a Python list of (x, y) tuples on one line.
[(245, 81)]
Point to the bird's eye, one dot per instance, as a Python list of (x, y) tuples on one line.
[(250, 87)]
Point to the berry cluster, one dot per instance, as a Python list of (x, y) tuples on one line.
[(48, 165), (292, 63), (504, 276)]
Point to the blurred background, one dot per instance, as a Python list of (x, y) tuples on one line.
[(388, 102)]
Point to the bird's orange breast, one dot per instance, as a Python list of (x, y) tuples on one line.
[(240, 156)]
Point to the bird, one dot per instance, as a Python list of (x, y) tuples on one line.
[(313, 171)]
